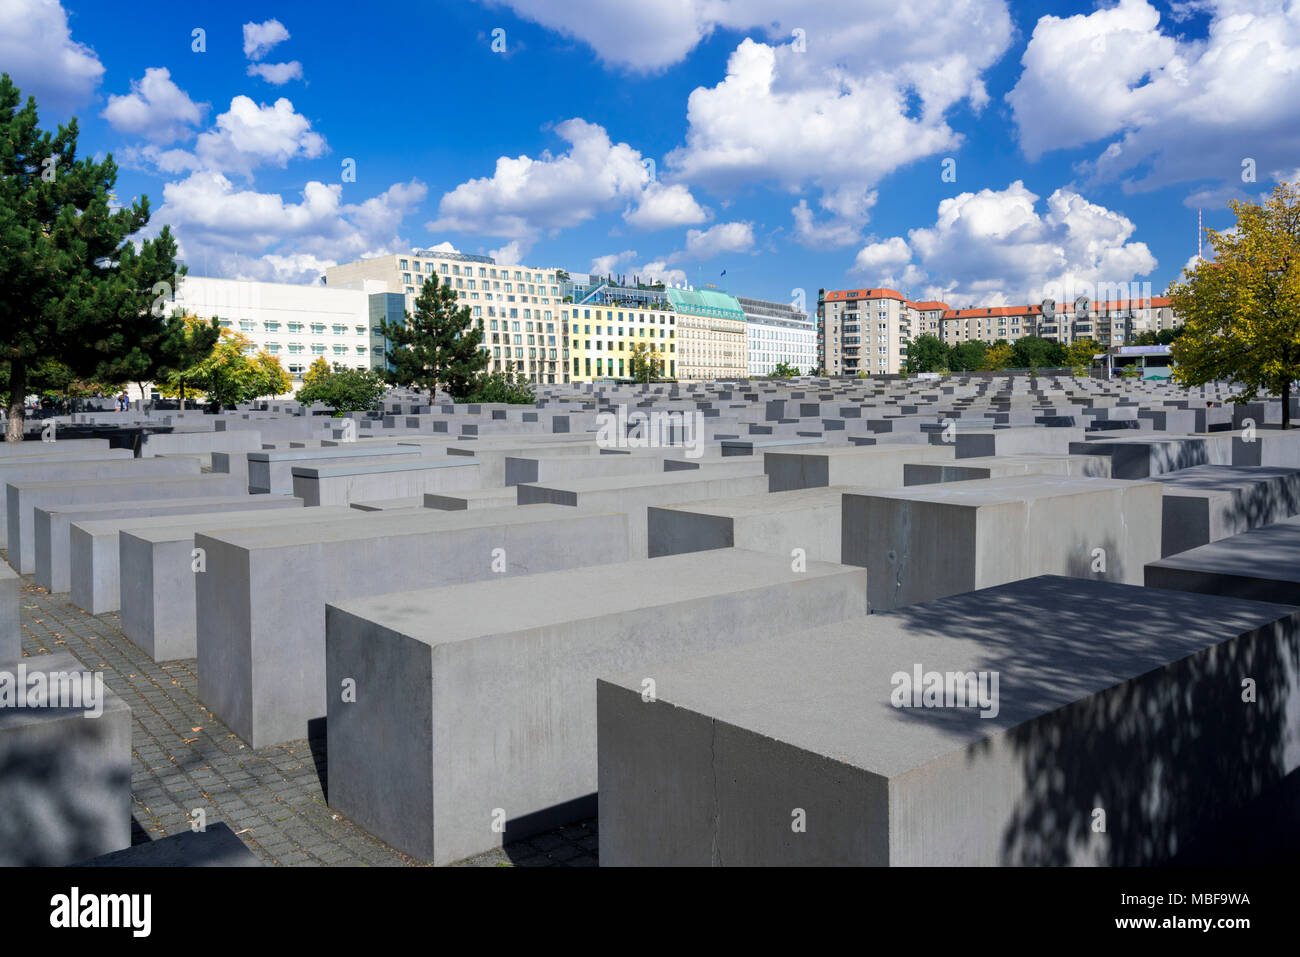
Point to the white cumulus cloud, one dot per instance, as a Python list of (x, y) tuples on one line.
[(156, 109), (277, 74), (39, 54), (259, 38)]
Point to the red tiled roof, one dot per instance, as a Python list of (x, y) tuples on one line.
[(838, 295)]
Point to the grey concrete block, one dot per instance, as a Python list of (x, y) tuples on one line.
[(1000, 466), (930, 541), (871, 466), (53, 525), (632, 495), (157, 571), (1208, 502), (65, 776), (1262, 564), (1110, 698), (261, 603), (94, 548), (272, 472), (808, 520), (217, 846), (114, 462), (10, 615), (342, 484), (23, 498), (477, 700)]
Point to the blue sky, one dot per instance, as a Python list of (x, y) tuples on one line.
[(795, 145)]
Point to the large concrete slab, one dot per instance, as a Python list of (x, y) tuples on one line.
[(10, 615), (1111, 700), (930, 541), (477, 702), (215, 846), (1262, 564), (54, 558), (800, 524), (873, 466), (1001, 466), (272, 472), (1208, 502), (65, 772), (158, 568), (113, 462), (23, 498), (261, 602), (343, 484), (633, 495)]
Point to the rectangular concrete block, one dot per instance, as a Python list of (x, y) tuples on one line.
[(71, 465), (53, 525), (800, 524), (215, 846), (261, 603), (1208, 502), (930, 541), (158, 568), (872, 466), (95, 558), (11, 632), (481, 697), (1108, 697), (65, 774), (1000, 466), (23, 498), (1262, 564), (632, 495), (272, 472), (342, 484)]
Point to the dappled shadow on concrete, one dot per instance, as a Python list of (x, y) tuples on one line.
[(1167, 756)]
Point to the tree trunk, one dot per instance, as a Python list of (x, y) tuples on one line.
[(17, 395), (182, 395), (1286, 404)]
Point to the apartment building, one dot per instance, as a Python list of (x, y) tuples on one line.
[(517, 307), (711, 337), (295, 323), (777, 332), (865, 330), (607, 320), (1114, 322)]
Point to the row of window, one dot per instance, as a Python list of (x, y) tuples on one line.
[(484, 272)]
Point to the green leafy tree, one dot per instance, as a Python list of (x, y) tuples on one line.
[(1034, 352), (999, 356), (342, 389), (318, 369), (1241, 310), (1080, 352), (76, 288), (230, 374), (509, 387), (645, 363), (179, 342), (926, 353), (784, 370), (438, 346), (968, 356)]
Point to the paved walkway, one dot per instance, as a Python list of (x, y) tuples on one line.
[(185, 759)]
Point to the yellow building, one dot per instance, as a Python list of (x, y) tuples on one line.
[(603, 332)]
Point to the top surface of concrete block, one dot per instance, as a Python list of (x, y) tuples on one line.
[(536, 601), (416, 465), (341, 524), (1008, 489), (1041, 635)]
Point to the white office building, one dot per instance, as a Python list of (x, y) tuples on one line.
[(777, 332), (295, 323)]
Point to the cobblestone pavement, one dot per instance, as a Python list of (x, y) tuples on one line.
[(184, 758)]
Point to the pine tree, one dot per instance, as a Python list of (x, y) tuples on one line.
[(438, 346), (1241, 310), (75, 288)]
